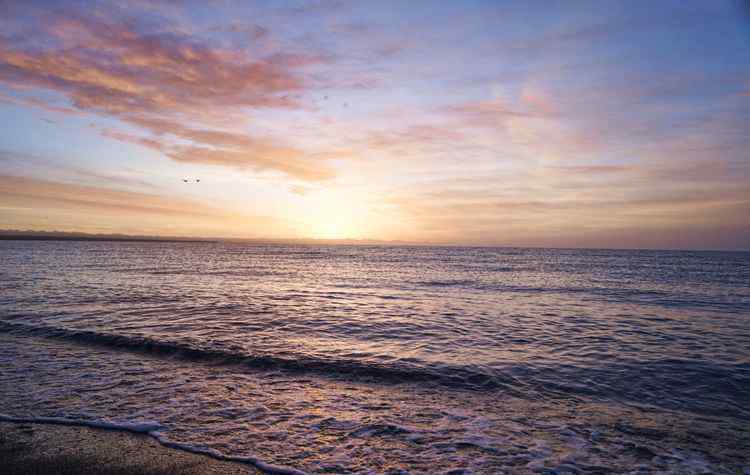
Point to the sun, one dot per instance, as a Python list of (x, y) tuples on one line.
[(334, 230), (333, 214)]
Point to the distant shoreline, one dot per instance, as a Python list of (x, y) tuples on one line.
[(27, 235), (93, 238)]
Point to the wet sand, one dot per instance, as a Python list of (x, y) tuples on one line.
[(42, 449)]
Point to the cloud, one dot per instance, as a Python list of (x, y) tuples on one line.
[(254, 32), (134, 139), (231, 149), (560, 222), (17, 163), (42, 204), (36, 102), (671, 203), (415, 135), (299, 190), (112, 67), (532, 125), (591, 169), (258, 159), (630, 122), (486, 113), (161, 82), (49, 194)]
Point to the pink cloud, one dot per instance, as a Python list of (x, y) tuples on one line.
[(592, 169), (61, 205), (416, 135), (259, 159), (36, 102), (485, 113), (160, 82), (43, 193), (230, 149), (134, 139)]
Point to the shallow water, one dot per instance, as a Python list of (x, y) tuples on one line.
[(354, 359)]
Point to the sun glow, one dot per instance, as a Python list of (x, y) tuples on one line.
[(331, 214)]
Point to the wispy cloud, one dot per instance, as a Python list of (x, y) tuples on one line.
[(487, 113), (413, 136), (51, 194), (112, 67), (495, 124), (592, 169), (14, 163), (59, 205), (160, 82), (36, 102)]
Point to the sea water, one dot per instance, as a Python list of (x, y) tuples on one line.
[(387, 359)]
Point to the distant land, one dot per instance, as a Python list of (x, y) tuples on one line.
[(17, 235), (27, 235)]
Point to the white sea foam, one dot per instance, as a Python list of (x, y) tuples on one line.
[(291, 426), (260, 464), (153, 429), (141, 427)]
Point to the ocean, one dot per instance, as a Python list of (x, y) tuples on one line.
[(387, 359)]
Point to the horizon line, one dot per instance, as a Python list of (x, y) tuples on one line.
[(54, 235)]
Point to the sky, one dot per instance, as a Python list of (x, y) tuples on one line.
[(613, 124)]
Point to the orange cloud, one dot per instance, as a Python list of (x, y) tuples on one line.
[(35, 102), (231, 149), (160, 82), (591, 169), (554, 205), (258, 158), (113, 67), (32, 191), (46, 204), (134, 139), (562, 221), (412, 136), (486, 113)]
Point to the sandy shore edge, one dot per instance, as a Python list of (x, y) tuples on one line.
[(36, 449)]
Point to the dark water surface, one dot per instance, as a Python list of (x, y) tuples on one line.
[(356, 359)]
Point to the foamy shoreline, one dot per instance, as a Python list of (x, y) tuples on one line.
[(54, 447), (150, 429)]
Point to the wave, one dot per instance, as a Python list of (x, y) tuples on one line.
[(697, 386), (453, 376), (154, 429), (447, 283), (735, 303)]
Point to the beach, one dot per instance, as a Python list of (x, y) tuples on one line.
[(47, 449)]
